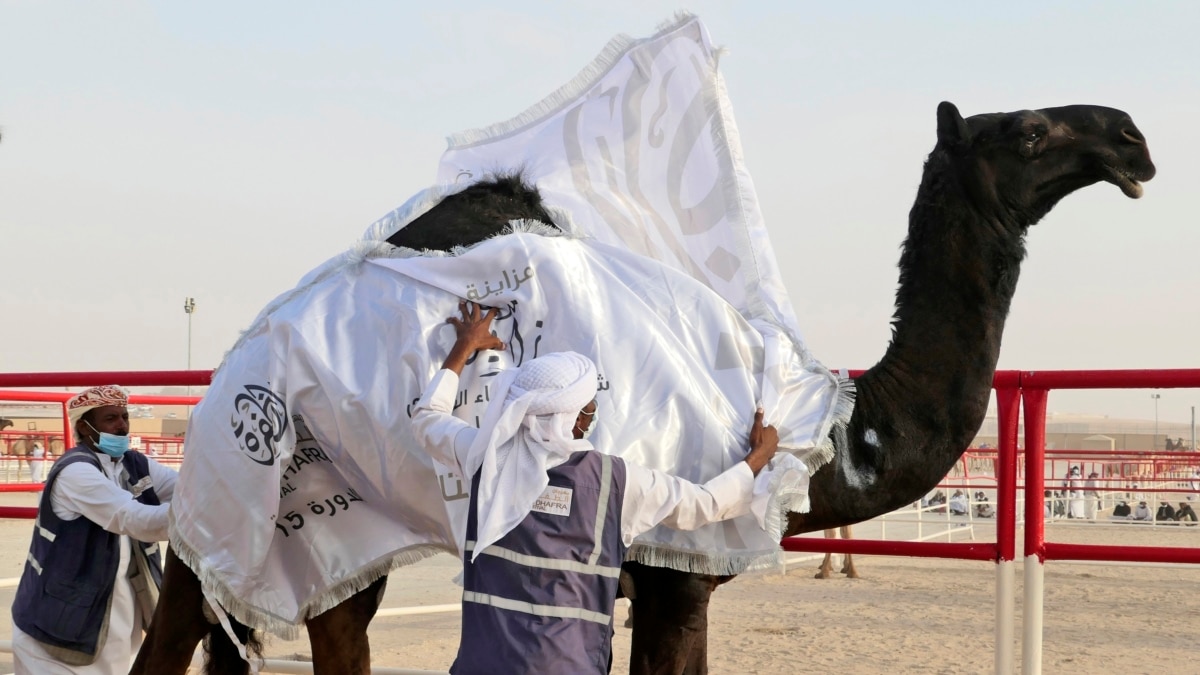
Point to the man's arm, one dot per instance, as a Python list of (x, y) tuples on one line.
[(653, 497), (164, 478), (83, 490), (445, 437)]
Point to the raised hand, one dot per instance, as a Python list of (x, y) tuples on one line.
[(474, 331)]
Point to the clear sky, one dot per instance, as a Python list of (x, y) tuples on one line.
[(219, 150)]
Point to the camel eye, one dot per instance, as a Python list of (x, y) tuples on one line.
[(1028, 147)]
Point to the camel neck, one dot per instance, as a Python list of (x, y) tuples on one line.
[(920, 406)]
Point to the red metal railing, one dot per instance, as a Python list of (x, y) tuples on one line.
[(90, 379), (1014, 390), (1035, 388), (1007, 386)]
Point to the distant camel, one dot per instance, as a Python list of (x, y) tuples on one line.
[(22, 450), (847, 561), (7, 444)]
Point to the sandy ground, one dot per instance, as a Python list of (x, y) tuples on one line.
[(904, 615)]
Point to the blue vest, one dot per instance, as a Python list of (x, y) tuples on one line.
[(540, 600), (63, 598)]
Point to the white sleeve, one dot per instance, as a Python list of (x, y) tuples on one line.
[(163, 478), (445, 437), (83, 490), (653, 497)]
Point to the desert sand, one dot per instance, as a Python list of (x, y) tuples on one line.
[(904, 615)]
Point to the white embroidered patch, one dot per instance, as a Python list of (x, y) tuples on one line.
[(141, 486), (555, 501)]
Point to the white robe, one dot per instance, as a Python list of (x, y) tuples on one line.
[(37, 467), (1075, 506), (82, 492)]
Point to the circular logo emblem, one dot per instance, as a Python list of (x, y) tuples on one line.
[(259, 420)]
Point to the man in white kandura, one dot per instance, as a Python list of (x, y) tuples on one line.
[(93, 572), (550, 521)]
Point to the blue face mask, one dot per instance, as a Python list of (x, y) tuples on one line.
[(110, 444)]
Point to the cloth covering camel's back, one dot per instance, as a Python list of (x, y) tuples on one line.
[(988, 179)]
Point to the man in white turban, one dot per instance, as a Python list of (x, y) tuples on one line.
[(93, 571), (549, 521)]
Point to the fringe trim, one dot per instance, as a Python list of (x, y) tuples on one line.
[(723, 564), (567, 94), (260, 619), (786, 496), (837, 417), (562, 219)]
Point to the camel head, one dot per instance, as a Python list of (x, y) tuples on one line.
[(1018, 165)]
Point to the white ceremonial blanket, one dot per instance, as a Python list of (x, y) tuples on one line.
[(303, 483)]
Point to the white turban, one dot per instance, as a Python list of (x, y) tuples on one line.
[(526, 431)]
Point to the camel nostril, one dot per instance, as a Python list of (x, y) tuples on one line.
[(1133, 136)]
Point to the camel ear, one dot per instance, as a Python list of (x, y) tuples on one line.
[(952, 129)]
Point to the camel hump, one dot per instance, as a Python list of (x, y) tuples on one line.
[(480, 211)]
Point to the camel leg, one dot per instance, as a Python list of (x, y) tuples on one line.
[(178, 624), (827, 564), (848, 561), (670, 631), (625, 590), (339, 636)]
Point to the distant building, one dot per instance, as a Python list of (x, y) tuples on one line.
[(1093, 432)]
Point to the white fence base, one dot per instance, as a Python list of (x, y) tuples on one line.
[(1005, 616), (1031, 645)]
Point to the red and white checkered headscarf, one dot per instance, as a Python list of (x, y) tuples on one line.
[(96, 397)]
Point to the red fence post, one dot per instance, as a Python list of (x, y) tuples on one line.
[(1034, 401), (1008, 409)]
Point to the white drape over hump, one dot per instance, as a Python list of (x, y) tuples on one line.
[(303, 482)]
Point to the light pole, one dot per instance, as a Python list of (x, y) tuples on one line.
[(1154, 444), (189, 306)]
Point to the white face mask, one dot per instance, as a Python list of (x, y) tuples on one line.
[(587, 433), (591, 427)]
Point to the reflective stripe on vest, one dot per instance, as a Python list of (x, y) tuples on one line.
[(536, 610), (602, 506), (547, 563)]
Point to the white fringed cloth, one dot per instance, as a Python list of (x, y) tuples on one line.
[(303, 483)]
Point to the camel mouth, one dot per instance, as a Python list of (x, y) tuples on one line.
[(1124, 180)]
